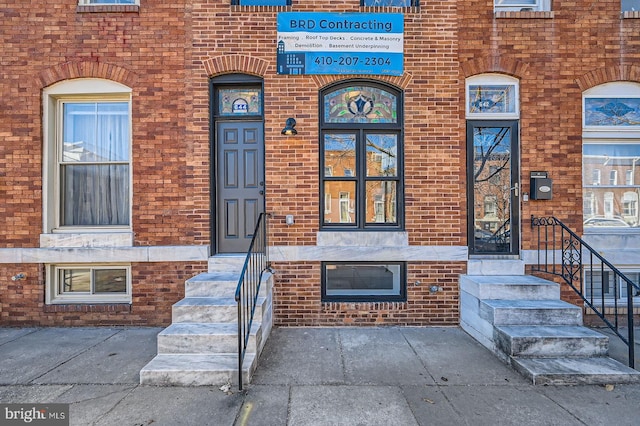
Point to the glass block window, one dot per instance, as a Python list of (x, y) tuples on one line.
[(239, 101), (363, 281), (360, 104)]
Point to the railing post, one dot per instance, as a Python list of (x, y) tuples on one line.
[(630, 331)]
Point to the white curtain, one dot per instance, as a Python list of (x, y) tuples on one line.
[(95, 164)]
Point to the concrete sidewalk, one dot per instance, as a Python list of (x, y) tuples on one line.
[(306, 376)]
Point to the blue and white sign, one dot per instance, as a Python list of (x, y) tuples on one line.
[(340, 43)]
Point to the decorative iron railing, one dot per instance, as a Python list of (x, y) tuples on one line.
[(255, 264), (600, 285)]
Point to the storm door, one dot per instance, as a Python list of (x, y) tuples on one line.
[(493, 190)]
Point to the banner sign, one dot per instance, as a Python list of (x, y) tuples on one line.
[(340, 43)]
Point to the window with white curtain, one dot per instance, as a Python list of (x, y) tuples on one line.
[(88, 156)]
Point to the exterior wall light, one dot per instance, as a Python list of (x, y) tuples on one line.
[(289, 127)]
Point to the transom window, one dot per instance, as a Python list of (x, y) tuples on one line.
[(89, 284), (390, 3), (521, 5), (492, 96), (261, 2), (611, 156), (361, 146)]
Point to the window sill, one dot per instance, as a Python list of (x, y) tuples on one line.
[(87, 240), (631, 14), (362, 239), (109, 8), (524, 15), (239, 8), (392, 9)]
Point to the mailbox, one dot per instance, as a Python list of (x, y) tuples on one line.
[(541, 186)]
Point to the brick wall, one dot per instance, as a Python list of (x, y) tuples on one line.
[(583, 44), (155, 288)]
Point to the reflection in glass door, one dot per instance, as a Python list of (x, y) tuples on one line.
[(493, 198)]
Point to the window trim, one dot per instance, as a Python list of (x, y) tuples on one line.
[(401, 295), (81, 89), (54, 297), (360, 132)]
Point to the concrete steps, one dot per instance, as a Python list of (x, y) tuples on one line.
[(521, 319), (200, 347)]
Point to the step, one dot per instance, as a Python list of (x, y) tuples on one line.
[(209, 310), (509, 287), (550, 341), (196, 370), (530, 312), (493, 266), (205, 338), (226, 263), (575, 371), (212, 284)]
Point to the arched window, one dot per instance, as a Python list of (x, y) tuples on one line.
[(611, 150), (361, 156)]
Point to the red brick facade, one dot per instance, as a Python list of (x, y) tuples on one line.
[(166, 52)]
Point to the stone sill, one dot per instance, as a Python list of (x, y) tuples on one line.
[(524, 15), (238, 8), (107, 8)]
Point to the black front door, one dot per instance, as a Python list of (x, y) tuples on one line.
[(494, 187)]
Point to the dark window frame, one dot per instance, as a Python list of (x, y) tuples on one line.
[(360, 130), (400, 297)]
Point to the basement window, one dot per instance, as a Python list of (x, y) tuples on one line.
[(363, 281), (88, 284)]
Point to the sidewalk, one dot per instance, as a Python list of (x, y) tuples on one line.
[(306, 376)]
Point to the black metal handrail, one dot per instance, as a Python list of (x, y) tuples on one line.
[(563, 253), (255, 264)]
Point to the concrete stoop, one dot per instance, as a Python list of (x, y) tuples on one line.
[(522, 320), (200, 347)]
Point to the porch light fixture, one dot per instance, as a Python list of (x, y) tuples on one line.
[(289, 127)]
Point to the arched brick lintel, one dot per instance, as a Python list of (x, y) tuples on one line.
[(227, 64), (86, 69), (401, 82), (607, 75), (498, 64)]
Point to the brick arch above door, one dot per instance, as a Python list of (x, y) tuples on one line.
[(499, 64), (401, 82), (608, 75), (227, 64), (86, 69)]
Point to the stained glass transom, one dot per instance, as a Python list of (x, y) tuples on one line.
[(612, 112), (492, 99), (240, 101), (360, 104)]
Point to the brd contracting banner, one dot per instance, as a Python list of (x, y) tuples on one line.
[(340, 43)]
